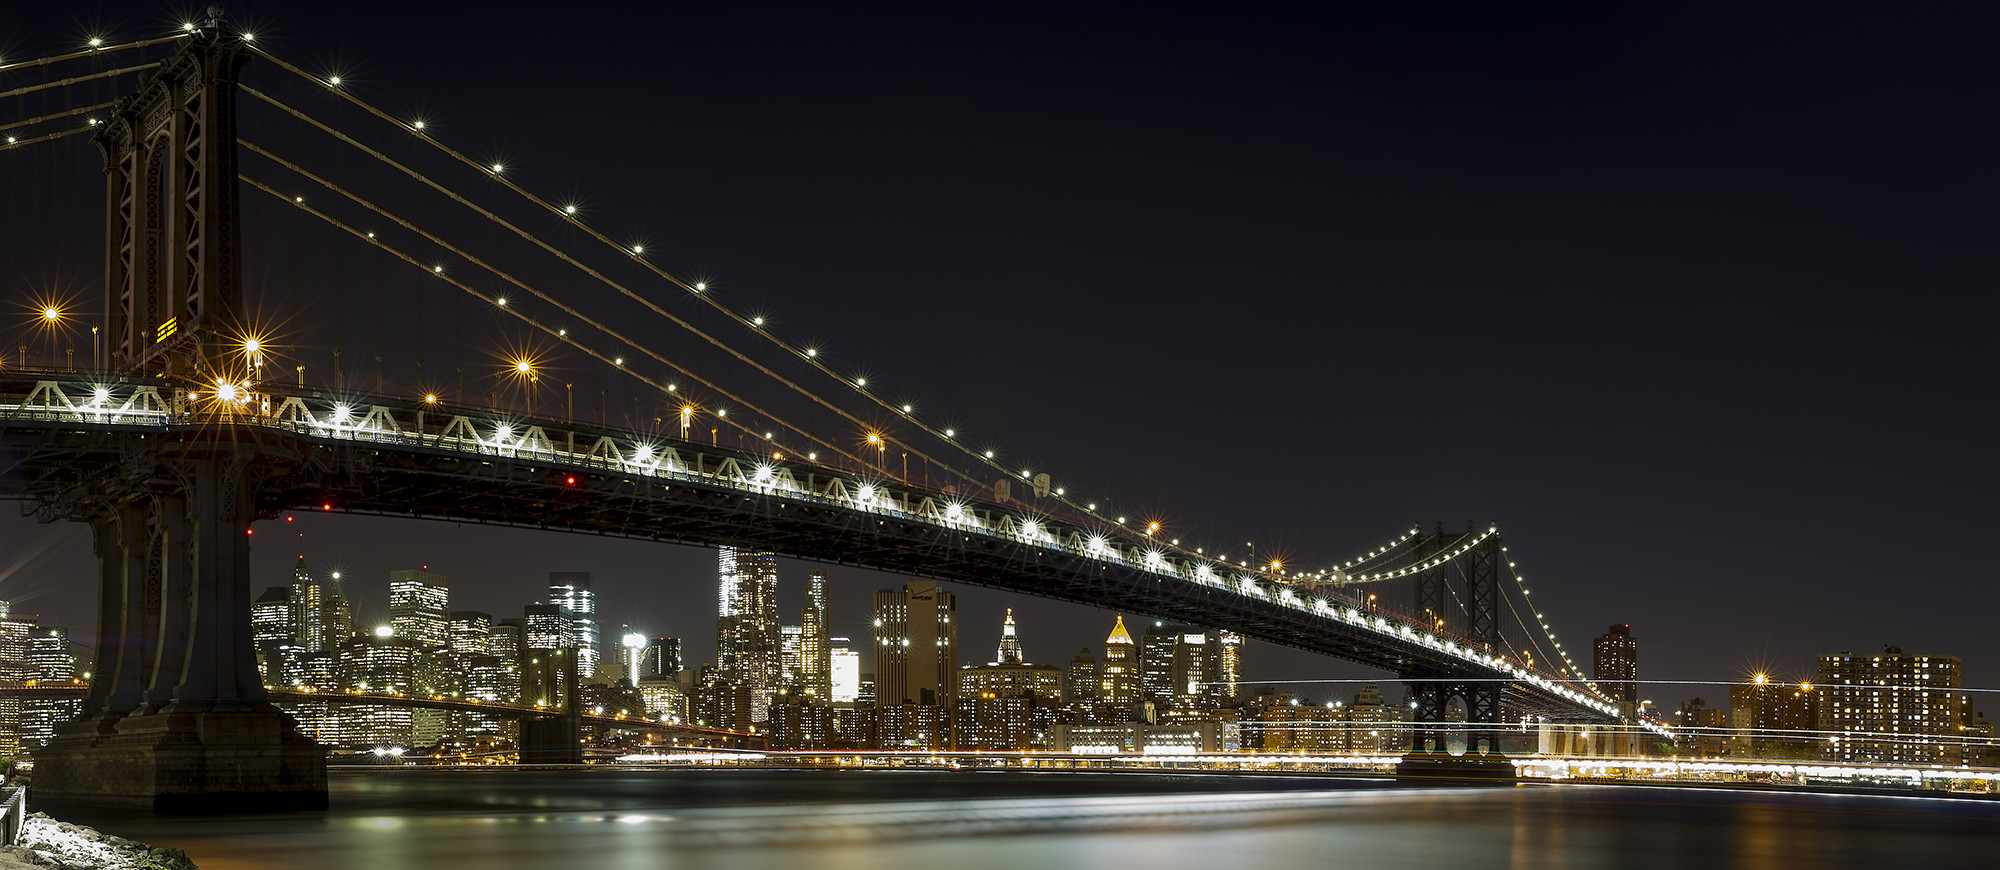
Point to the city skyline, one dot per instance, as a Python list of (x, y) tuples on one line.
[(1619, 417)]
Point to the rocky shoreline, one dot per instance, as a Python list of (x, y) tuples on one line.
[(48, 844)]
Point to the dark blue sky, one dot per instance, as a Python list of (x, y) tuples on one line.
[(1695, 301)]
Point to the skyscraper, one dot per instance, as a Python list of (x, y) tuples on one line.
[(570, 590), (272, 628), (420, 608), (1614, 664), (815, 656), (471, 632), (791, 661), (916, 645), (1118, 675), (50, 660), (546, 627), (1232, 663), (308, 605), (747, 631), (336, 616), (1080, 683), (1010, 645), (661, 660)]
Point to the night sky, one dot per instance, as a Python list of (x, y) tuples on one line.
[(1694, 301)]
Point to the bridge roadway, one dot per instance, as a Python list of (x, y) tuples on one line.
[(70, 442)]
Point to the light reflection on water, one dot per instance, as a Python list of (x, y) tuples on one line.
[(610, 820)]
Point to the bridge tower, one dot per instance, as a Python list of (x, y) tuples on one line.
[(171, 244), (177, 717), (1461, 595)]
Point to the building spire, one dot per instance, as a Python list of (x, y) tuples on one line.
[(1119, 634), (1010, 646)]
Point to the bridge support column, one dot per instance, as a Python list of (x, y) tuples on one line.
[(1430, 755), (183, 725)]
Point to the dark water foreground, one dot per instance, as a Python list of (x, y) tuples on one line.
[(614, 819)]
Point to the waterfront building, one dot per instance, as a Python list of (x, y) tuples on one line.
[(420, 608), (1374, 724), (1700, 730), (1299, 727), (1614, 664), (801, 720), (1890, 708), (1138, 737), (1771, 719), (748, 649), (1118, 675), (570, 590), (916, 727), (916, 645)]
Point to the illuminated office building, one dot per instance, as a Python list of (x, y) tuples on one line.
[(845, 676), (1118, 674), (815, 651), (748, 647), (916, 645), (570, 590), (471, 634), (272, 629), (420, 608)]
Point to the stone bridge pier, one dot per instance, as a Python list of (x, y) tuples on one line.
[(177, 718)]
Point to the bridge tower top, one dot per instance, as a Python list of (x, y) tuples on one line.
[(172, 262)]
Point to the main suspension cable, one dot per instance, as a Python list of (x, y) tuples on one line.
[(366, 237), (76, 80), (809, 358), (594, 273), (89, 52), (29, 122), (566, 309)]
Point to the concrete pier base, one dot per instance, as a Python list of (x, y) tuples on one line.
[(185, 761), (1443, 768)]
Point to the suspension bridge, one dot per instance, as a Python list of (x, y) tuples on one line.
[(194, 415)]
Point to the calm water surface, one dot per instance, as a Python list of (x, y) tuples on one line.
[(614, 819)]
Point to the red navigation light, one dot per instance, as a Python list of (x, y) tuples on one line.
[(571, 480), (327, 506), (249, 531), (288, 518)]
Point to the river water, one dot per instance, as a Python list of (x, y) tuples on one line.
[(624, 819)]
